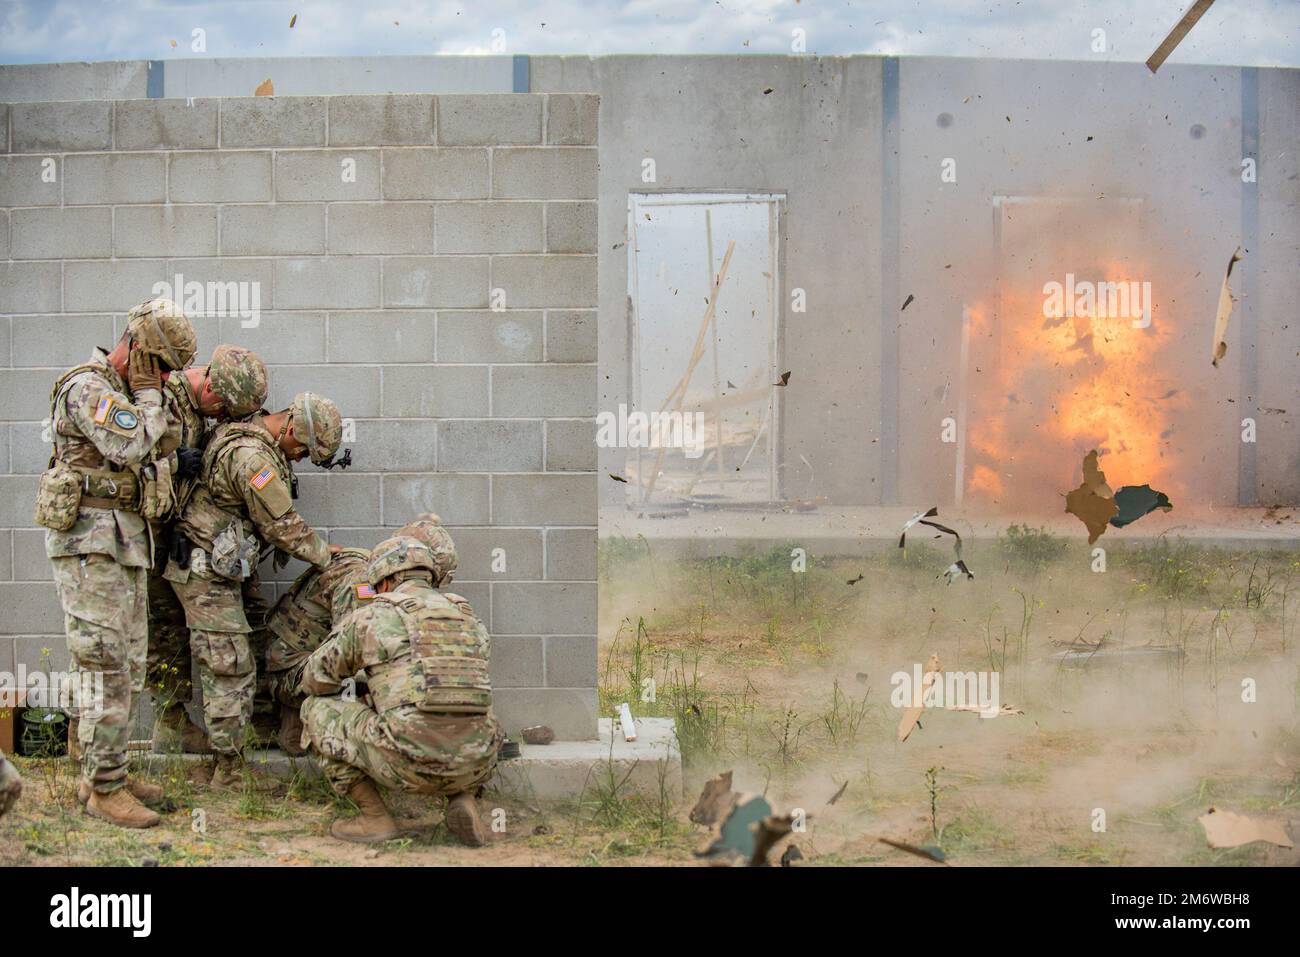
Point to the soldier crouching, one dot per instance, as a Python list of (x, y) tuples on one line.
[(430, 729)]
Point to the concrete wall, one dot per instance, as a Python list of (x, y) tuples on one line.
[(375, 292)]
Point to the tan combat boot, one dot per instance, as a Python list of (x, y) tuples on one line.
[(74, 745), (463, 820), (143, 791), (120, 807), (373, 824), (290, 736), (227, 774), (173, 733)]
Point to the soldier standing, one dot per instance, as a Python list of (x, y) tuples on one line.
[(231, 386), (106, 479), (244, 500), (430, 729)]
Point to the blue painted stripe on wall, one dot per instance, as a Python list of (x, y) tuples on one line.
[(154, 89), (522, 79)]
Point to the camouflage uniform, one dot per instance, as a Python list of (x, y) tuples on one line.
[(244, 501), (301, 620), (238, 377), (101, 562), (431, 728), (11, 785)]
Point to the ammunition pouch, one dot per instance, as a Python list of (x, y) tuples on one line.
[(234, 554), (58, 497)]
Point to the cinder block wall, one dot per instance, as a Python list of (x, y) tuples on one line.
[(445, 299)]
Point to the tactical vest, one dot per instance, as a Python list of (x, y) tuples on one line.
[(444, 670), (102, 486), (211, 508)]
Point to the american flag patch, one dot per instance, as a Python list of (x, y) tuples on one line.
[(365, 592), (101, 411), (262, 479)]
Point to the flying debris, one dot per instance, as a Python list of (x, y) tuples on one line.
[(1134, 501), (1227, 829), (617, 478), (785, 379), (1175, 37), (902, 539), (792, 854), (908, 301), (912, 716), (928, 851), (854, 581), (838, 794), (1093, 503), (715, 801), (958, 567), (1226, 299)]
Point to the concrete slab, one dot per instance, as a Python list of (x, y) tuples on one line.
[(560, 771), (857, 530)]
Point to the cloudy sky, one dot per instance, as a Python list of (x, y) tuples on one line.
[(1248, 32)]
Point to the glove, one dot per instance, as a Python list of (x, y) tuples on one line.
[(189, 461), (143, 371)]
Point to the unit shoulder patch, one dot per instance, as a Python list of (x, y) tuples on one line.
[(125, 419)]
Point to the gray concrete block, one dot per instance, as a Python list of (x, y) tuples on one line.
[(296, 229), (489, 445), (279, 337), (544, 500), (30, 287), (4, 234), (436, 174), (489, 227), (571, 445), (383, 337), (571, 119), (43, 82), (29, 452), (61, 127), (571, 714), (6, 569), (571, 661), (59, 342), (339, 499), (166, 124), (544, 608), (546, 173), (31, 608), (314, 175), (228, 284), (47, 651), (552, 281), (570, 336), (396, 445), (544, 390), (25, 397), (381, 228), (571, 554), (337, 282), (570, 228), (354, 389), (110, 286), (358, 537), (436, 391), (521, 553), (273, 121), (18, 492), (7, 662), (4, 128), (517, 662), (30, 563), (165, 231), (512, 336), (4, 449), (457, 499), (238, 177), (405, 119), (436, 282), (6, 352), (103, 178), (62, 233), (489, 119), (23, 181)]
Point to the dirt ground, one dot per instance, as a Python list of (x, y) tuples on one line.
[(784, 676)]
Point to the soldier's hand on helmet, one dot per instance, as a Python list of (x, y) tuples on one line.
[(143, 371), (335, 549)]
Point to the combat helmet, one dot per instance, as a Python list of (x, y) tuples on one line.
[(162, 330), (238, 378), (399, 554), (428, 529), (318, 425)]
